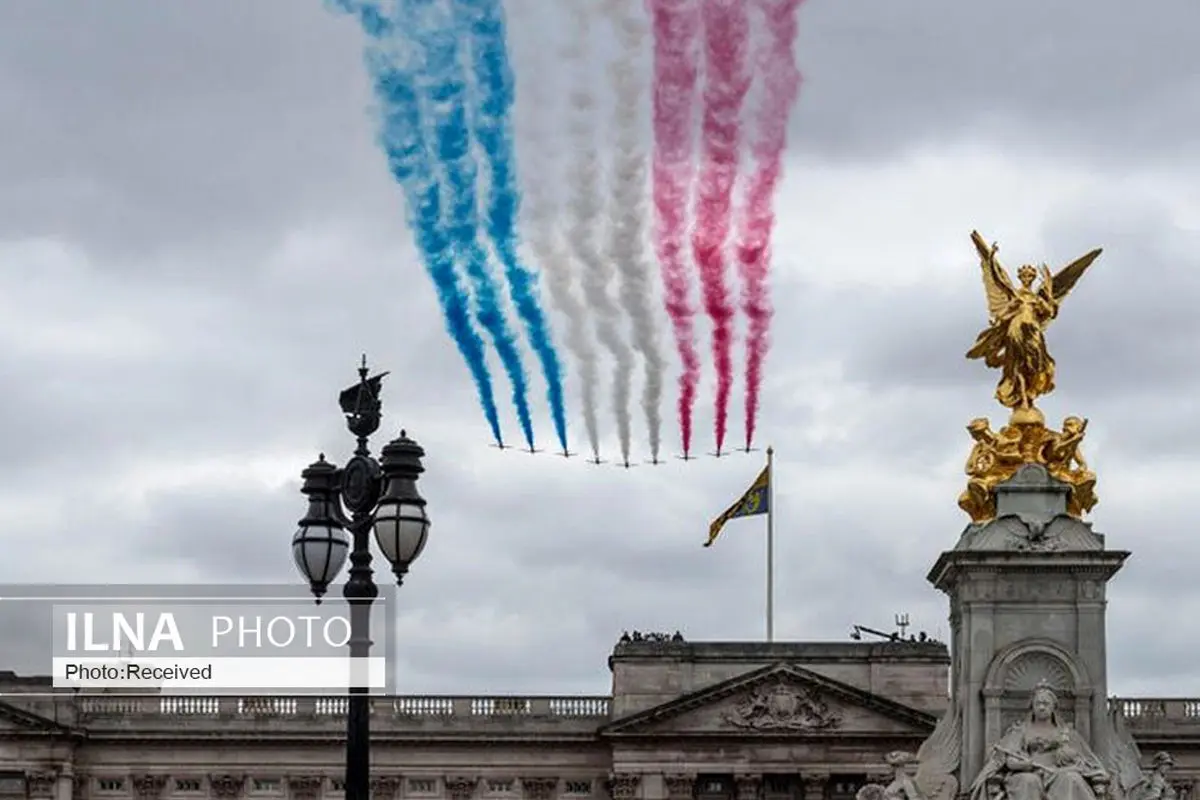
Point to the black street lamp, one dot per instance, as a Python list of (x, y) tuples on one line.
[(380, 496)]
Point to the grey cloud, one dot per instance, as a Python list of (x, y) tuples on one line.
[(212, 168), (1071, 80)]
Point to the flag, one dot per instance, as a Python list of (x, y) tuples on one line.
[(756, 500)]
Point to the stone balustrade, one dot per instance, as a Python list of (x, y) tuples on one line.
[(424, 713), (1159, 713), (419, 715)]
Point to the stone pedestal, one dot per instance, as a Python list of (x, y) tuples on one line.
[(1027, 602)]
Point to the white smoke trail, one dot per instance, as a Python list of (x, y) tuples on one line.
[(627, 212), (585, 208), (540, 216)]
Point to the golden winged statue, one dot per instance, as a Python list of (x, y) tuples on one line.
[(1015, 339), (1015, 343)]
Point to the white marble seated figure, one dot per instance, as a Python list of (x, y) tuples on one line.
[(1042, 758)]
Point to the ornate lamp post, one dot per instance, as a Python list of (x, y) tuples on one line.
[(380, 496)]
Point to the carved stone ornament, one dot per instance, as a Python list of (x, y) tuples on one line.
[(459, 787), (304, 787), (384, 787), (540, 788), (624, 786), (680, 787), (779, 706), (227, 787), (40, 784), (148, 787), (749, 787), (815, 784)]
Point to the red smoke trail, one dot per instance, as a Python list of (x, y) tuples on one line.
[(726, 33), (676, 24), (781, 86)]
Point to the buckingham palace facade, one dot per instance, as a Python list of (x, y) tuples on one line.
[(684, 721)]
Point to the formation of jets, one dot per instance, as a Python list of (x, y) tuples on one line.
[(596, 460)]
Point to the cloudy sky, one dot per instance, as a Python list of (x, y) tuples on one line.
[(199, 237)]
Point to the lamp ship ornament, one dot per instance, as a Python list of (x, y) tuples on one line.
[(1015, 343)]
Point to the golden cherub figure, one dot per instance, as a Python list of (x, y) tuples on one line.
[(1063, 457), (995, 457), (1015, 339)]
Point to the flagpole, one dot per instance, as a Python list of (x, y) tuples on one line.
[(770, 545)]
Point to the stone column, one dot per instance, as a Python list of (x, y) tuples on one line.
[(816, 785), (304, 787), (227, 787), (41, 785), (748, 787), (679, 786), (66, 782), (460, 787), (148, 786), (384, 787), (540, 788), (624, 786)]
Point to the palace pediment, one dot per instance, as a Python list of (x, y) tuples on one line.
[(778, 700)]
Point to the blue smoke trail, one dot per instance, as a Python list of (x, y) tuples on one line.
[(438, 51), (402, 137), (483, 22)]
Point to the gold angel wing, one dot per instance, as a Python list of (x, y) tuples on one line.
[(1066, 278), (996, 282)]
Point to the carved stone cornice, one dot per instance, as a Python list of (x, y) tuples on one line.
[(460, 787), (227, 787), (539, 788), (304, 787), (40, 783), (749, 787), (623, 785), (385, 787), (680, 786), (147, 786)]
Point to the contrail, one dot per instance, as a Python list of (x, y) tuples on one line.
[(676, 24), (432, 29), (541, 214), (726, 34), (781, 87), (627, 246), (585, 209), (481, 23), (402, 135)]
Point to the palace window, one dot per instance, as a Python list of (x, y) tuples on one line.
[(500, 787), (712, 784), (110, 784), (577, 788), (422, 786), (266, 785), (188, 785), (337, 785)]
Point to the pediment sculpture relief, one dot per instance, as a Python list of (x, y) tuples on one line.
[(781, 705)]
